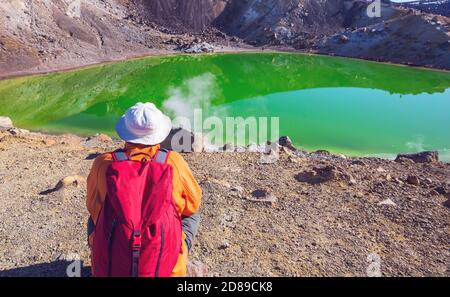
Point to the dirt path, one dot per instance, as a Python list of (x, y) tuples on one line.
[(322, 214)]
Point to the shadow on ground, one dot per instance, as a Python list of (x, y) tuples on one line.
[(52, 269)]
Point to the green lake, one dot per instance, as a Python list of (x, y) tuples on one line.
[(337, 104)]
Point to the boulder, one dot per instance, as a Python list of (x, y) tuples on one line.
[(237, 189), (387, 202), (447, 202), (270, 158), (289, 152), (196, 269), (317, 175), (49, 141), (350, 179), (266, 148), (440, 190), (404, 160), (224, 245), (388, 177), (179, 140), (228, 148), (285, 141), (422, 157), (6, 123), (98, 140), (262, 196), (398, 181), (324, 174), (210, 148), (73, 180), (240, 149), (184, 141), (381, 169), (343, 38), (293, 159), (358, 162), (413, 180), (433, 193), (71, 140), (196, 48), (17, 131), (322, 152), (256, 148)]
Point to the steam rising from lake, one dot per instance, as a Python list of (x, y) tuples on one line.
[(194, 93)]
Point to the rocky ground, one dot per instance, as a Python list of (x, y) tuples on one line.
[(404, 37), (289, 213), (42, 36), (441, 7)]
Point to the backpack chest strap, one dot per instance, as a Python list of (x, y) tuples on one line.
[(161, 156), (120, 156)]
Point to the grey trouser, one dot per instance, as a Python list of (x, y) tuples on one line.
[(189, 225)]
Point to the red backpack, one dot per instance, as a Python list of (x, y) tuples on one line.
[(138, 232)]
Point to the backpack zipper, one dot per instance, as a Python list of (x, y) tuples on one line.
[(160, 252), (110, 242)]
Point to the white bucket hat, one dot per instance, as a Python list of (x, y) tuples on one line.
[(144, 124)]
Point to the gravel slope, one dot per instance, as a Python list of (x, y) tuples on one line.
[(323, 216)]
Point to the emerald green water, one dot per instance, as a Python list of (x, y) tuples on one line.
[(342, 105)]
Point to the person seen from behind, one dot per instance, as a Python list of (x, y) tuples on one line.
[(143, 202)]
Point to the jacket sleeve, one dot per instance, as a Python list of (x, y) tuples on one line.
[(91, 188), (94, 199), (192, 193)]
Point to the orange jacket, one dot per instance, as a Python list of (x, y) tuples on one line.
[(186, 191)]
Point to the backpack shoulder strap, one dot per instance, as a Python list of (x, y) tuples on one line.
[(161, 156), (120, 155)]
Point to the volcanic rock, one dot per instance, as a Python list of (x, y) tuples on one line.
[(73, 180), (422, 157), (413, 180), (285, 141), (5, 123)]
